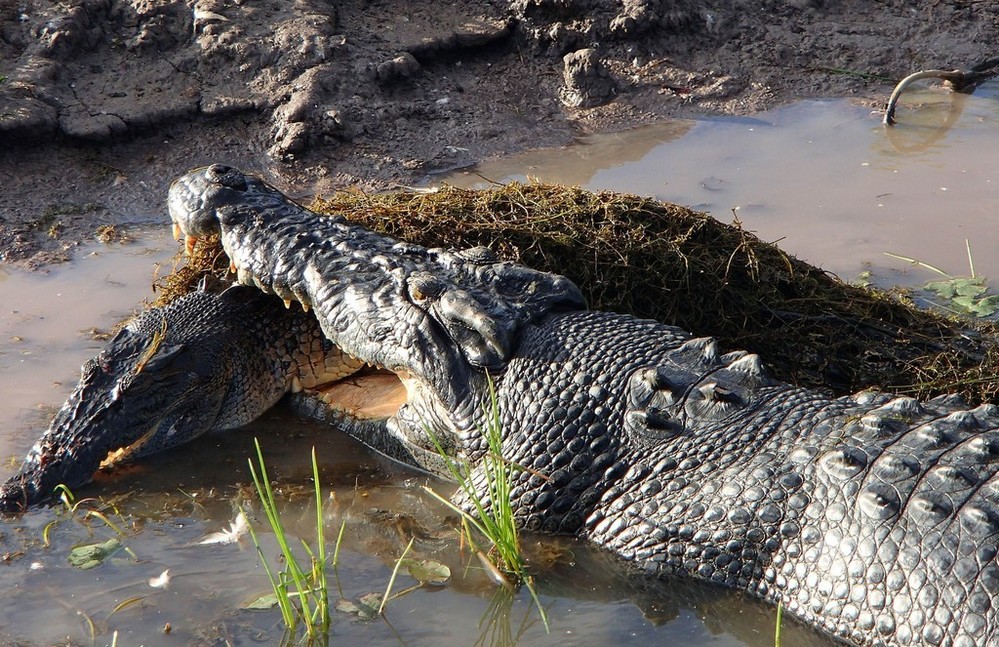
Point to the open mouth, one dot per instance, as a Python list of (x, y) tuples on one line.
[(367, 395), (372, 378), (347, 384)]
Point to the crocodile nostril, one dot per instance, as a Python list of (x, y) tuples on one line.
[(226, 176)]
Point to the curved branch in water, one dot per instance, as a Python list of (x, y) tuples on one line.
[(963, 81), (953, 76)]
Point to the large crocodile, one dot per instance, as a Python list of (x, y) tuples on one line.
[(874, 519)]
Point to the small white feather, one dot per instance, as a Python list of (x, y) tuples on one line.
[(160, 581), (236, 530)]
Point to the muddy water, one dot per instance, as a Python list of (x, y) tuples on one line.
[(821, 175)]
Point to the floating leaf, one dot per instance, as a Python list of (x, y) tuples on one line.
[(943, 289), (91, 555), (344, 605), (268, 601), (428, 571), (970, 287), (371, 599), (991, 303), (968, 295), (365, 607), (985, 307)]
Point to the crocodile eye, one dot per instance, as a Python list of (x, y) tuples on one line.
[(227, 177), (480, 255), (424, 286)]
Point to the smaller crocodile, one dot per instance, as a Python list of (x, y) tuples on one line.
[(206, 361)]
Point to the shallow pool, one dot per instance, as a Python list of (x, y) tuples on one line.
[(823, 178)]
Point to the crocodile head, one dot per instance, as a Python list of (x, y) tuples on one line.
[(168, 376), (408, 338), (433, 322)]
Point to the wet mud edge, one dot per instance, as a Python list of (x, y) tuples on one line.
[(103, 102)]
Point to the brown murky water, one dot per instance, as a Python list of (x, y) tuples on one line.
[(822, 176)]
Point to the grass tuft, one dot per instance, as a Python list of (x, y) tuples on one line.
[(301, 589), (493, 516)]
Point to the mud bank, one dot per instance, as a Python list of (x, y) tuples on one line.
[(102, 102)]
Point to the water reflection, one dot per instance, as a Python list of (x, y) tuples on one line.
[(579, 164), (923, 128), (822, 177)]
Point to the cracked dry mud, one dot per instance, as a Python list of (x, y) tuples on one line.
[(102, 102)]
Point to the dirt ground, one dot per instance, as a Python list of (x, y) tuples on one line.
[(103, 102)]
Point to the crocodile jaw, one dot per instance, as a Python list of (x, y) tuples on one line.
[(377, 396)]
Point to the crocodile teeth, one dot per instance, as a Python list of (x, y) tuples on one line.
[(296, 385), (298, 295), (189, 242), (232, 267), (287, 295), (266, 289), (178, 233), (287, 304)]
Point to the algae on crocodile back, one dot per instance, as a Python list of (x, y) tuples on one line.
[(667, 262)]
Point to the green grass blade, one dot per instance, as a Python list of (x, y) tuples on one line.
[(280, 592), (497, 523), (319, 566), (306, 585), (336, 557), (395, 572), (780, 622)]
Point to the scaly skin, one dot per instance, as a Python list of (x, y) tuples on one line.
[(204, 362), (874, 519)]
